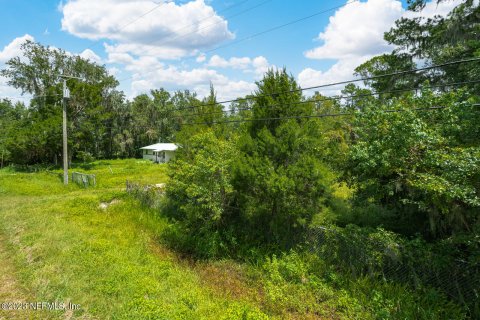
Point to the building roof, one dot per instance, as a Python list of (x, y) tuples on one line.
[(161, 147)]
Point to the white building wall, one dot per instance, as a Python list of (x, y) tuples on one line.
[(169, 155), (149, 157)]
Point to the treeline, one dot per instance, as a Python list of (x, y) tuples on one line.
[(102, 123)]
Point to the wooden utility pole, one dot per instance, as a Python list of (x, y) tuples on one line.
[(66, 95)]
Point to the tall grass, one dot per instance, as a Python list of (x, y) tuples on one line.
[(68, 248)]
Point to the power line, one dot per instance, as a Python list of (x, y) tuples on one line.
[(297, 117), (325, 115), (210, 25), (337, 98), (131, 22), (265, 31), (164, 3), (280, 26), (32, 97), (336, 83)]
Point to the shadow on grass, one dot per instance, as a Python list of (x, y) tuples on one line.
[(25, 168), (83, 165)]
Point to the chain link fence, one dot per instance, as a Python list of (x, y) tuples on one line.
[(382, 255), (84, 180)]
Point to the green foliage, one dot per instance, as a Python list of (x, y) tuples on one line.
[(200, 191), (309, 285), (435, 40), (386, 64), (280, 181), (240, 311), (413, 163), (65, 247), (446, 271)]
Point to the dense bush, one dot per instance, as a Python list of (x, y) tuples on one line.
[(200, 193), (416, 165), (279, 178)]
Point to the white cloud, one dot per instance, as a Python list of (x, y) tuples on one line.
[(340, 71), (171, 75), (201, 58), (90, 55), (261, 65), (114, 71), (148, 50), (357, 29), (433, 8), (258, 65), (149, 73), (10, 93), (12, 49), (355, 34), (234, 62), (170, 30), (227, 90)]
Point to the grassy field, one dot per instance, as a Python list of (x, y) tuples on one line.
[(99, 249), (58, 244)]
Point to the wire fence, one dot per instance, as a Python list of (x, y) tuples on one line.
[(84, 180), (378, 256), (149, 195)]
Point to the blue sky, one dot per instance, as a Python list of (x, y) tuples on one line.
[(149, 44)]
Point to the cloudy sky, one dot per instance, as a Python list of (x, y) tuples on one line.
[(188, 44)]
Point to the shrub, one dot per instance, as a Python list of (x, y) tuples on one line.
[(199, 194)]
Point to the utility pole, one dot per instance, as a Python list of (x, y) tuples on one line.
[(66, 95)]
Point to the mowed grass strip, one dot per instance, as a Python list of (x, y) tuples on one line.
[(67, 248)]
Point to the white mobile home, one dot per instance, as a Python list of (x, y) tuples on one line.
[(159, 152)]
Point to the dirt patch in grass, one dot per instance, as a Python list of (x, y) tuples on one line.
[(228, 279), (105, 205)]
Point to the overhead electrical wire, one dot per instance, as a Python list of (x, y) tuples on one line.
[(131, 22), (280, 26), (344, 82), (454, 84), (325, 115), (263, 32), (208, 26), (334, 83), (184, 27), (319, 100), (246, 38)]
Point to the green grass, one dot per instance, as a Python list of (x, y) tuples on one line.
[(58, 244), (67, 248)]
